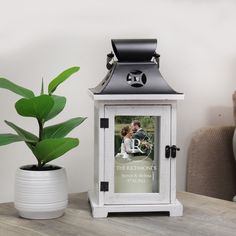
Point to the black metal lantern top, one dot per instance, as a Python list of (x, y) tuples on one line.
[(135, 72), (134, 50)]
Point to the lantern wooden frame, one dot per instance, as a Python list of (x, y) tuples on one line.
[(98, 195)]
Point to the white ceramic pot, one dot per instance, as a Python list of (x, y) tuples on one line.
[(41, 194)]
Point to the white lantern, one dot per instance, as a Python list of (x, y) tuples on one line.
[(135, 134)]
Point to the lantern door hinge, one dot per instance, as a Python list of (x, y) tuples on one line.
[(104, 123), (104, 186)]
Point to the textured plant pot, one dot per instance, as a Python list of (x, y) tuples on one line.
[(41, 194)]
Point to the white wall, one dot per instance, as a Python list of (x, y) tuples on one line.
[(197, 43)]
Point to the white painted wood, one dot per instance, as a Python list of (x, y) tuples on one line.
[(98, 211), (174, 209), (103, 202), (99, 152), (136, 97), (138, 198), (173, 160), (136, 102)]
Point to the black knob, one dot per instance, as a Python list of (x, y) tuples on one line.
[(173, 151)]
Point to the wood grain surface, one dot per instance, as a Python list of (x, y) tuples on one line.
[(202, 216)]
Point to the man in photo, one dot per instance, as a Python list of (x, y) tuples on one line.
[(138, 132)]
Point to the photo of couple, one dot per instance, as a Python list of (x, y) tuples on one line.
[(134, 141)]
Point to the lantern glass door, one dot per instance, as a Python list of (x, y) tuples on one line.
[(135, 163)]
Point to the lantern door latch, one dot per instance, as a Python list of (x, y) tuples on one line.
[(104, 123), (104, 186), (170, 151), (167, 151)]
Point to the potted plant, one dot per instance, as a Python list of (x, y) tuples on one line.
[(41, 189)]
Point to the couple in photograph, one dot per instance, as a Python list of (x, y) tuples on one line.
[(134, 140)]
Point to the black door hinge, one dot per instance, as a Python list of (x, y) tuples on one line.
[(104, 186), (104, 123), (170, 151)]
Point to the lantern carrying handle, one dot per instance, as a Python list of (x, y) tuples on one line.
[(110, 57), (134, 50)]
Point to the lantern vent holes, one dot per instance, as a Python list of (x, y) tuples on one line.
[(136, 78)]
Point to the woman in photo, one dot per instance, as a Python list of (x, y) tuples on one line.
[(126, 145)]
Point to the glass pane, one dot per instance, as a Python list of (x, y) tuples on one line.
[(136, 154)]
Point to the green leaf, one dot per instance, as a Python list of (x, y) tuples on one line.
[(38, 107), (10, 138), (50, 149), (61, 78), (23, 133), (62, 129), (59, 104), (6, 84)]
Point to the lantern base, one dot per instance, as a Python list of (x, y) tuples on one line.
[(101, 211)]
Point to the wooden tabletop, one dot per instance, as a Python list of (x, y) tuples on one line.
[(202, 216)]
